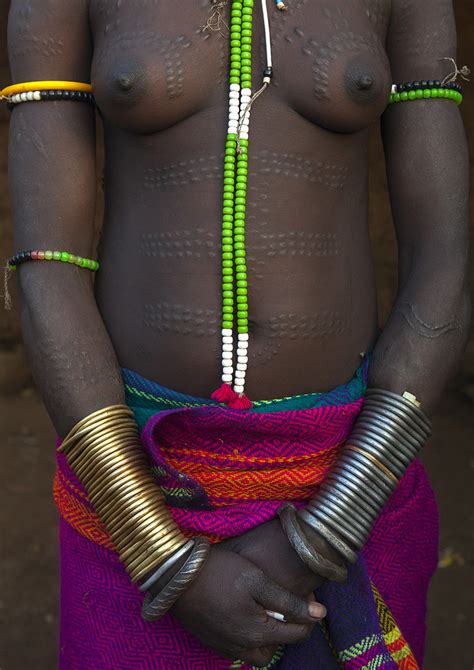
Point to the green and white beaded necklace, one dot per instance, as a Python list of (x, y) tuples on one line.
[(234, 268)]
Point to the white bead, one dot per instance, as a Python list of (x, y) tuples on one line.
[(241, 352), (233, 107), (239, 374), (244, 136), (227, 379), (15, 98), (227, 332), (235, 87), (37, 95), (241, 366), (30, 95), (243, 359), (234, 95), (227, 370), (246, 91), (394, 88), (24, 97), (245, 99), (239, 388), (243, 346), (245, 118), (227, 339), (234, 116), (232, 129), (227, 347), (226, 355), (244, 128), (243, 337)]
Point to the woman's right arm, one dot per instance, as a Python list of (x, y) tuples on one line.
[(52, 176)]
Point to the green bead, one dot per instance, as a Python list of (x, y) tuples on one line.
[(227, 288), (48, 255), (396, 97), (241, 193), (96, 266), (426, 93), (243, 330), (64, 257), (239, 245), (240, 253), (227, 264), (242, 300), (419, 93), (72, 258), (227, 271), (241, 267), (404, 95), (239, 216), (56, 255), (227, 324), (234, 80), (227, 247), (242, 323), (411, 95), (434, 93), (242, 283), (227, 309), (227, 294), (242, 291), (228, 302), (240, 201), (240, 208), (246, 32), (234, 72), (246, 70), (227, 256), (239, 238), (241, 275)]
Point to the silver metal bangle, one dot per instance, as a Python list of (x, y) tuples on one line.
[(336, 542), (308, 554), (155, 608), (167, 565), (387, 437)]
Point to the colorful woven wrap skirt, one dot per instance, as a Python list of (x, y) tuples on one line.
[(224, 472)]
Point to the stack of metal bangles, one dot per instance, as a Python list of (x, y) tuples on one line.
[(387, 436), (105, 453)]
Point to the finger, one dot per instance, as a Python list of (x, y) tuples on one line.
[(275, 632), (258, 657), (277, 599)]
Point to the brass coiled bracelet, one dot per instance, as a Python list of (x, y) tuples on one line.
[(105, 454)]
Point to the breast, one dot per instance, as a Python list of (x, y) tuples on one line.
[(342, 81), (148, 76)]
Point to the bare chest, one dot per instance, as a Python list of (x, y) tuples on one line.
[(155, 64)]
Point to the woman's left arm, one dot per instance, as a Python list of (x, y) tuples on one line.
[(427, 167)]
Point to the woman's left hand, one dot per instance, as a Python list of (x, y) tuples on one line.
[(268, 547)]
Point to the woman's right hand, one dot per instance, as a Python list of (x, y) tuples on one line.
[(225, 608)]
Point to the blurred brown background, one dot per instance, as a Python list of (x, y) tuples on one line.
[(28, 572)]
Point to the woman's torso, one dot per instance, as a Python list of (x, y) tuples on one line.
[(161, 85)]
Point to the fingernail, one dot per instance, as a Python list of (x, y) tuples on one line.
[(317, 611)]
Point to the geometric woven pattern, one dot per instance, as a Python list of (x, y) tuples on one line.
[(224, 472)]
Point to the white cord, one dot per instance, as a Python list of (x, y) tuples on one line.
[(268, 41)]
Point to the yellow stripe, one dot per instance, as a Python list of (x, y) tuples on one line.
[(392, 636), (401, 654), (45, 86)]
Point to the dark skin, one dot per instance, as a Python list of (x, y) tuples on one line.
[(160, 86)]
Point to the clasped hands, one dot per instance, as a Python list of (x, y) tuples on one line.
[(244, 577)]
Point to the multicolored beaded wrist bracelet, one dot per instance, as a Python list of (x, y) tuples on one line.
[(61, 256), (422, 90)]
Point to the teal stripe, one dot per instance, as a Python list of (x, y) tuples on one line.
[(146, 398)]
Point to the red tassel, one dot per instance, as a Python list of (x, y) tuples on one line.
[(224, 394), (240, 402)]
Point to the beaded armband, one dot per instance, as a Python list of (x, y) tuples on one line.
[(61, 256), (422, 90), (46, 91)]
